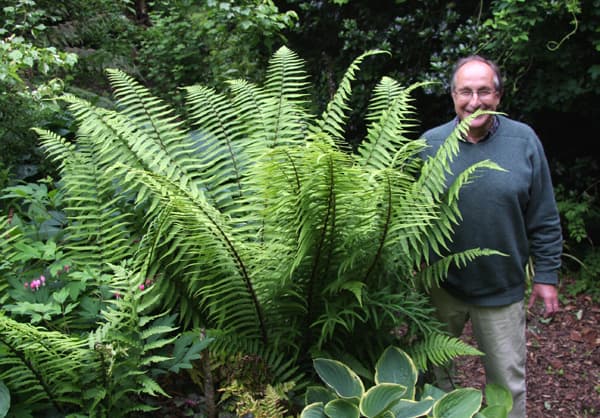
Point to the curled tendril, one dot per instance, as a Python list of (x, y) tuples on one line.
[(553, 45)]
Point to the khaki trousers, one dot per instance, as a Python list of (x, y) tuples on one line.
[(500, 335)]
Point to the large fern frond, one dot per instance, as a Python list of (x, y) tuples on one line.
[(100, 230), (9, 235), (286, 97), (220, 157), (249, 104), (57, 148), (335, 116), (41, 368), (166, 143), (434, 273), (432, 191), (223, 282), (390, 121)]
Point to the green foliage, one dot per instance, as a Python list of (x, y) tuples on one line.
[(534, 41), (4, 399), (272, 403), (132, 343), (41, 367), (29, 76), (208, 43), (27, 81), (256, 225), (586, 280), (438, 349), (50, 304), (35, 209), (106, 373), (260, 225), (394, 393), (577, 200), (18, 56), (103, 33)]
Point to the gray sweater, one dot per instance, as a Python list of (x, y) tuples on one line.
[(512, 211)]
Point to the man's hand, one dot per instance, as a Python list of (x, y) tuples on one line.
[(548, 294)]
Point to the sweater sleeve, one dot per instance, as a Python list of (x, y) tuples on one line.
[(543, 220)]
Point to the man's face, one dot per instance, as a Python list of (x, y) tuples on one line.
[(474, 89)]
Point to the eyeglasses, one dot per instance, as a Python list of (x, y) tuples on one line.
[(467, 94)]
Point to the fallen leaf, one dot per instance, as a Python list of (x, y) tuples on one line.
[(556, 364), (575, 336)]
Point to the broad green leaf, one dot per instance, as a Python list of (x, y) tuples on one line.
[(187, 348), (318, 394), (496, 411), (412, 409), (395, 366), (4, 400), (314, 410), (15, 55), (497, 395), (460, 403), (430, 391), (341, 408), (339, 377), (380, 397), (61, 295)]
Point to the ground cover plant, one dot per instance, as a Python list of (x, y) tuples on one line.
[(244, 228)]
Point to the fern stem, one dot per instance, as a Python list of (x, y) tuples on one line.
[(317, 258), (209, 387), (385, 231)]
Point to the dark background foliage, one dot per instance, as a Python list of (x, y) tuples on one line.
[(551, 86)]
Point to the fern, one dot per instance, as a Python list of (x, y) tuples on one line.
[(435, 272), (261, 228), (130, 344), (9, 236), (389, 122), (270, 404), (166, 144), (100, 231), (333, 119), (41, 368), (438, 349)]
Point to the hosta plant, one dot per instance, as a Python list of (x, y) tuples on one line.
[(395, 394)]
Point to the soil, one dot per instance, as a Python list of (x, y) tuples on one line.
[(563, 363)]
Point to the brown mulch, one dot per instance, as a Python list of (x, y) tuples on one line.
[(563, 362)]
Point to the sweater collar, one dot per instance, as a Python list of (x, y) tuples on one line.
[(492, 130)]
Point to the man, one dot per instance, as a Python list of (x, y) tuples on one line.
[(512, 211)]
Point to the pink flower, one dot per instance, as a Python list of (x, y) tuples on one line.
[(117, 295), (26, 285), (66, 268), (43, 279), (142, 287)]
